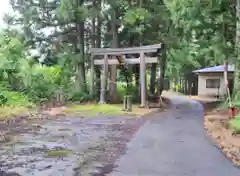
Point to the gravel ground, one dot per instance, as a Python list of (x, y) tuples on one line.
[(80, 146)]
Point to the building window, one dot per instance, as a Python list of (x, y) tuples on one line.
[(212, 83)]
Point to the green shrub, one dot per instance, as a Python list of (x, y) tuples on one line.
[(235, 124), (80, 96), (16, 99), (13, 98), (122, 91), (43, 82), (3, 99)]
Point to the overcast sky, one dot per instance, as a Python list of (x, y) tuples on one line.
[(4, 8)]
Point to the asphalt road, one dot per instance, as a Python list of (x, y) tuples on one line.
[(174, 143)]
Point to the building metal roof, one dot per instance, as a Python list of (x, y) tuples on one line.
[(219, 68)]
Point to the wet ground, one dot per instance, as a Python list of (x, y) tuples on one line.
[(65, 146), (170, 143), (174, 143)]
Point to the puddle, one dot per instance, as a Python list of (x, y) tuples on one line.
[(66, 146)]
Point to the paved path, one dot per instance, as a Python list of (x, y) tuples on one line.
[(174, 144)]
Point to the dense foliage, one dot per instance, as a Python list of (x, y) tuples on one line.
[(196, 33)]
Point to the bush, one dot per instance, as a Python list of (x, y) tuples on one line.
[(235, 125), (80, 96), (3, 99), (42, 83), (122, 91), (12, 98)]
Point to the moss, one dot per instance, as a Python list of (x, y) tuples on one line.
[(59, 153)]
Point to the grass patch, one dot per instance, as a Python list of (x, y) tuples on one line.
[(59, 153), (108, 109), (225, 104), (16, 103), (235, 124), (14, 98), (95, 109), (8, 111)]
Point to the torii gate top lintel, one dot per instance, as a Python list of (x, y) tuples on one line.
[(122, 51), (106, 52)]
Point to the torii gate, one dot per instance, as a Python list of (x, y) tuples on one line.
[(116, 52)]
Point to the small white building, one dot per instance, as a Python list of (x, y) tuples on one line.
[(211, 80)]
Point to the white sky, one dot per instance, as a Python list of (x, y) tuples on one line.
[(4, 8)]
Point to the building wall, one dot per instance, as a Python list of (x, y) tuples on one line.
[(203, 91)]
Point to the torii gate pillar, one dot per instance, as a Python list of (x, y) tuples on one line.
[(104, 75), (143, 80)]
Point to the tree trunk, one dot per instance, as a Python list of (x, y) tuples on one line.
[(140, 4), (153, 78), (81, 66), (93, 43), (225, 75), (135, 68), (162, 70), (81, 60), (236, 90), (98, 45), (186, 82), (140, 37), (115, 44)]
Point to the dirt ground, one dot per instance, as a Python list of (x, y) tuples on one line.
[(216, 124), (53, 143)]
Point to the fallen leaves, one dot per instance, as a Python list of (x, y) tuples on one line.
[(216, 124)]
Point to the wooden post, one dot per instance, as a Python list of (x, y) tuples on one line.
[(129, 103), (143, 80), (91, 76), (225, 74), (104, 74), (59, 96), (125, 103)]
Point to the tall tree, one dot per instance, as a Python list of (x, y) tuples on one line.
[(115, 44), (237, 63), (75, 12)]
